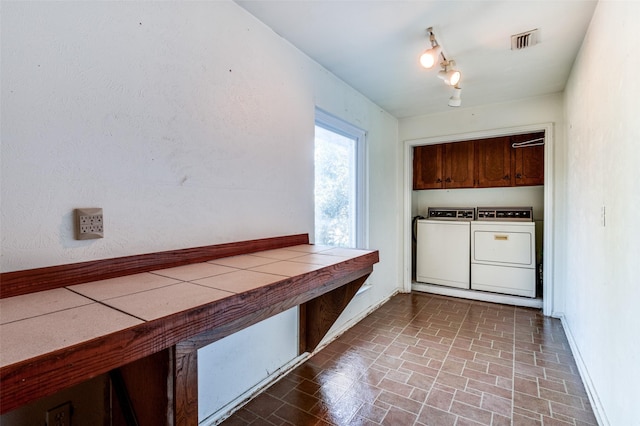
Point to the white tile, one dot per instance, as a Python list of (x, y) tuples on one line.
[(43, 302), (160, 302), (310, 248), (320, 259), (115, 287), (194, 271), (243, 261), (279, 254), (46, 333), (287, 268), (240, 281)]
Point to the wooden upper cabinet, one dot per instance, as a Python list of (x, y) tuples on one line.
[(427, 167), (493, 162), (528, 160), (482, 163), (458, 165)]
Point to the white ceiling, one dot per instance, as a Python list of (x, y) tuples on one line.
[(374, 46)]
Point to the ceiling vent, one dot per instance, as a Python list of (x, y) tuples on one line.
[(524, 40)]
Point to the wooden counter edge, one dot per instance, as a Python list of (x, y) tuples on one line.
[(26, 381)]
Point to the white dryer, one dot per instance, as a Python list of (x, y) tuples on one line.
[(503, 254)]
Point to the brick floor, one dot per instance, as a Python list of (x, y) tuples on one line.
[(422, 359)]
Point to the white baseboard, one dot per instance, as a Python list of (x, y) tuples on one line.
[(596, 405), (483, 296), (242, 400)]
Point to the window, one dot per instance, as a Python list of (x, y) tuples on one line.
[(340, 183)]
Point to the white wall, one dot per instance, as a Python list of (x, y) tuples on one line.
[(190, 124), (602, 158), (169, 116), (495, 118), (483, 118)]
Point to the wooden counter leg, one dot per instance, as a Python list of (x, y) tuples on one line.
[(140, 391), (185, 385), (161, 389), (319, 314)]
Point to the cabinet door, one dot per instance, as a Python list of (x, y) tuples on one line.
[(529, 161), (493, 162), (458, 165), (427, 167)]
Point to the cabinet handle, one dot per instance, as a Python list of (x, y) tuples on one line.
[(506, 177), (439, 180), (448, 180), (518, 176)]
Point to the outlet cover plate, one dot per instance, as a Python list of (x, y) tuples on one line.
[(89, 224), (60, 415)]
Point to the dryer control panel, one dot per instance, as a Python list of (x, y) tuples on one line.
[(506, 214)]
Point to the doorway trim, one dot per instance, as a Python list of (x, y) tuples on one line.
[(548, 246)]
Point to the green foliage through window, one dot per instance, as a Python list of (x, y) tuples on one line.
[(334, 189)]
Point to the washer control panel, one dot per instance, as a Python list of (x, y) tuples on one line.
[(443, 213)]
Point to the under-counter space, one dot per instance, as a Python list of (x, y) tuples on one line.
[(55, 338)]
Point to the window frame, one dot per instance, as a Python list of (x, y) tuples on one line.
[(337, 125)]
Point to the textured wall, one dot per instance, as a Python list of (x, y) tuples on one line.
[(602, 157), (174, 118)]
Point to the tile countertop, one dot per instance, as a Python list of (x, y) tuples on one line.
[(35, 324)]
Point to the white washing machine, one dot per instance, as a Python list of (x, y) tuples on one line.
[(503, 254), (443, 246)]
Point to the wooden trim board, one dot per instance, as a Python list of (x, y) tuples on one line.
[(47, 278)]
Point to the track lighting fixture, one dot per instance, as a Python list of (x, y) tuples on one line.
[(448, 73)]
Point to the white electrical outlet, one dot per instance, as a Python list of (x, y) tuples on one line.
[(89, 224), (60, 415)]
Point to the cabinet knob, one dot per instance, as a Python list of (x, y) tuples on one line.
[(448, 179), (518, 176), (438, 180), (506, 177)]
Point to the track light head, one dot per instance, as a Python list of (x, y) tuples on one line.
[(455, 100), (450, 75), (430, 57)]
